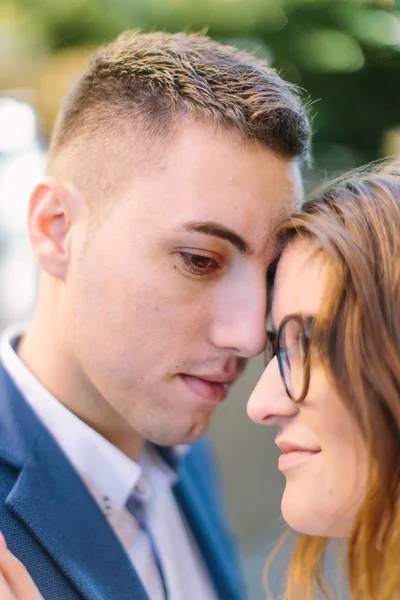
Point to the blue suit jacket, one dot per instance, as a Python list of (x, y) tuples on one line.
[(53, 525)]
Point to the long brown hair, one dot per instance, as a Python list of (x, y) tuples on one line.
[(355, 222)]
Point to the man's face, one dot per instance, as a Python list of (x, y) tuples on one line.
[(167, 296)]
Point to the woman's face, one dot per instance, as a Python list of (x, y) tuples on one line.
[(324, 458)]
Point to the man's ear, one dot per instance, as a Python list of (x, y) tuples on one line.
[(52, 208)]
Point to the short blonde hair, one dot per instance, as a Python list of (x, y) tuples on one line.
[(152, 80)]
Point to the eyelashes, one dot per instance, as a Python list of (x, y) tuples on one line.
[(198, 264)]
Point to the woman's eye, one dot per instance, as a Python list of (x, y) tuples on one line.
[(198, 264)]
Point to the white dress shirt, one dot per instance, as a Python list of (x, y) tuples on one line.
[(111, 476)]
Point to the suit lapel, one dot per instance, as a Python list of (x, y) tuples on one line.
[(207, 538), (200, 518), (52, 502)]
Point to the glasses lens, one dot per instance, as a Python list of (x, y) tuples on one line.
[(292, 354)]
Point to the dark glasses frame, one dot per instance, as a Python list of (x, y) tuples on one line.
[(274, 348)]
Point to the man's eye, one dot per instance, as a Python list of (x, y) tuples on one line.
[(197, 264)]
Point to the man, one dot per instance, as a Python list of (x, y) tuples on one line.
[(170, 162)]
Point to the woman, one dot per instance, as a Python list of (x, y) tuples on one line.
[(336, 349), (332, 386)]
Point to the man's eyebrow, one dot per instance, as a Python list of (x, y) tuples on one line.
[(220, 231)]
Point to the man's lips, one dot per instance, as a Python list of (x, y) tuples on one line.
[(207, 389)]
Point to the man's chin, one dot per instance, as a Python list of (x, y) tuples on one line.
[(177, 436)]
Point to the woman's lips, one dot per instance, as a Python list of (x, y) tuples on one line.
[(294, 458)]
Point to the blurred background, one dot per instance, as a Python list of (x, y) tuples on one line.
[(345, 54)]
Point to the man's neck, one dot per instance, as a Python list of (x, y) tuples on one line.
[(57, 371)]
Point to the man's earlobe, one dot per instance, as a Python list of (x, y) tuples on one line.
[(49, 225)]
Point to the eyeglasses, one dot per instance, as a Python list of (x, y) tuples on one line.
[(291, 344)]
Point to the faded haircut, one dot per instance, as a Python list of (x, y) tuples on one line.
[(156, 78), (147, 83)]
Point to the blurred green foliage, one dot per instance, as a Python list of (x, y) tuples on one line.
[(345, 53)]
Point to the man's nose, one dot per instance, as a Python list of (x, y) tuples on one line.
[(240, 324), (269, 401)]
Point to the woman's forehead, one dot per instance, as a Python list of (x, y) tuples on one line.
[(300, 282)]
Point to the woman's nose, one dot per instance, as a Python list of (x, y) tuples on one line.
[(269, 399)]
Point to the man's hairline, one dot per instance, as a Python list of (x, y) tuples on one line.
[(167, 135), (151, 152)]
